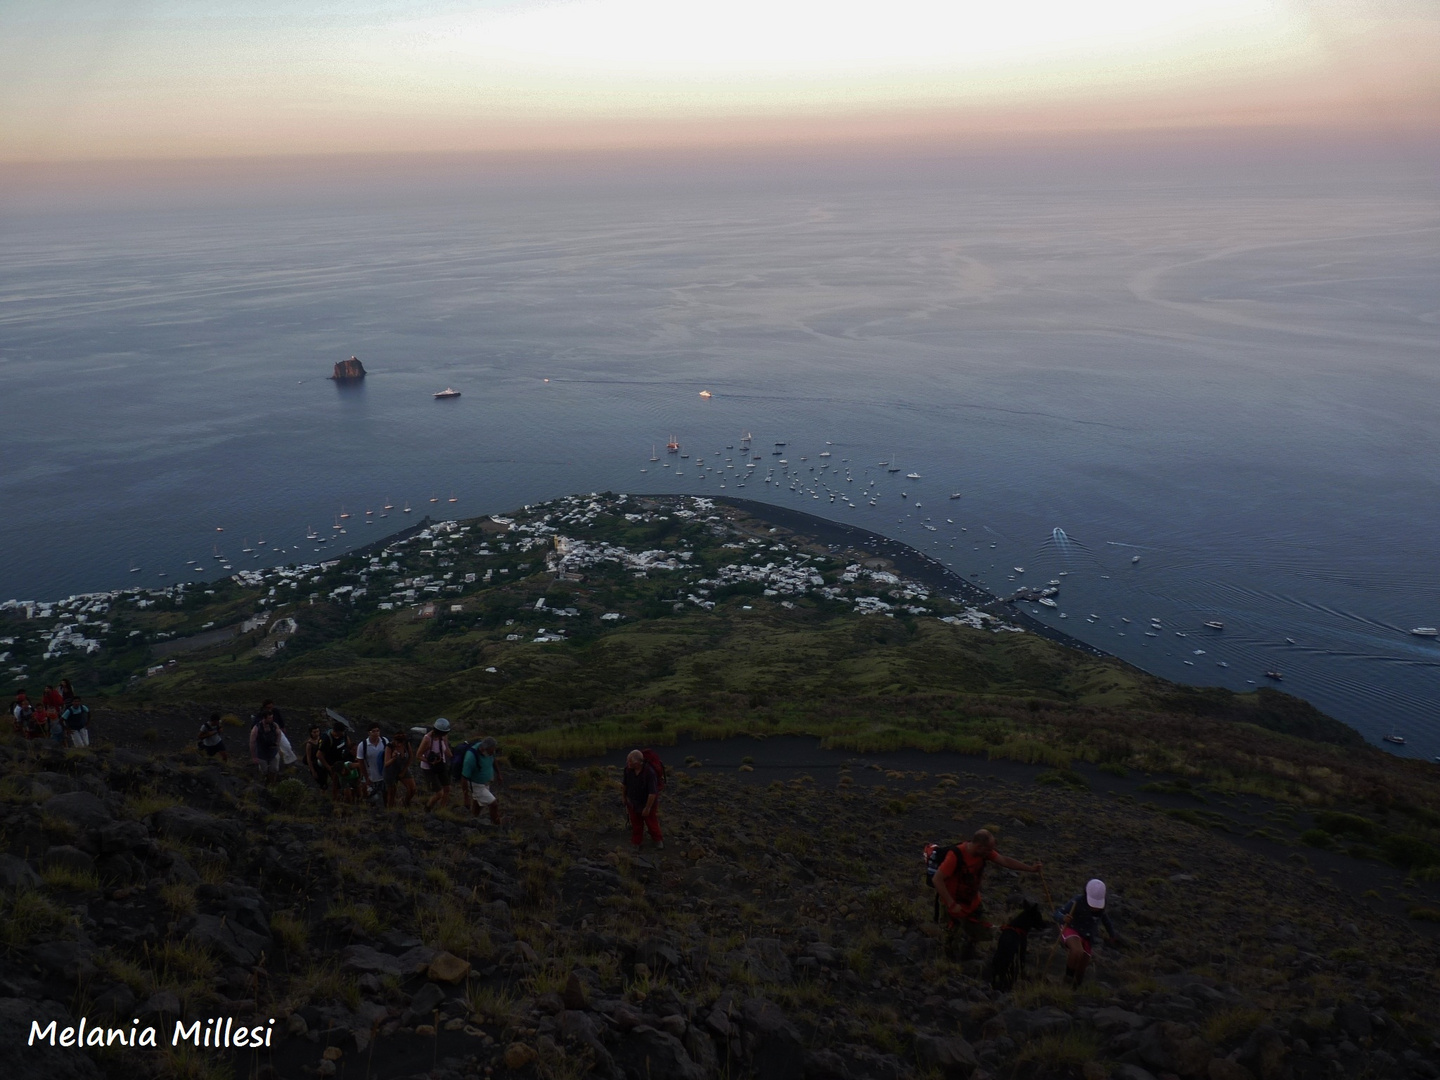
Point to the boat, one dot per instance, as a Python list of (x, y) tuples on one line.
[(135, 569), (893, 468), (912, 476), (448, 392), (453, 498), (653, 455), (954, 494), (344, 513), (673, 446), (1425, 631), (1398, 740), (824, 453), (260, 542), (310, 533), (1215, 624), (245, 546), (1019, 569), (406, 508), (1274, 675), (388, 504), (1047, 602), (706, 394), (1134, 558), (781, 443)]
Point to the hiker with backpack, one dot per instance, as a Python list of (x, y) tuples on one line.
[(210, 741), (333, 753), (51, 702), (435, 762), (370, 753), (480, 770), (76, 719), (397, 769), (956, 874), (27, 724), (265, 747), (643, 781), (1079, 919)]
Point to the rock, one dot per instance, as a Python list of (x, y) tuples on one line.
[(426, 1000), (332, 1053), (363, 958), (448, 968), (1173, 1047), (186, 823), (1354, 1020), (296, 1025), (416, 959), (40, 1061), (181, 872), (825, 954), (1228, 1069), (1128, 1071), (1113, 1018), (228, 939), (122, 836), (1264, 1053), (650, 1052), (518, 1055), (16, 874), (765, 959), (162, 1003), (657, 954), (81, 809), (70, 960), (550, 1004), (952, 1056), (675, 1025), (574, 995), (771, 1041), (116, 1001), (825, 1065)]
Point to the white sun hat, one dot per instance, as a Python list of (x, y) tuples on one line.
[(1095, 893)]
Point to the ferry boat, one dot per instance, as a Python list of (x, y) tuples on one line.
[(448, 392), (1425, 631), (1398, 740)]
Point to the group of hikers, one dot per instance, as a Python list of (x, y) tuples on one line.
[(956, 874), (59, 716)]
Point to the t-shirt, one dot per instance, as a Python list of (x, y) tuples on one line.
[(639, 786), (437, 751), (478, 768), (963, 875), (76, 716), (1083, 918), (334, 747), (372, 755), (210, 734)]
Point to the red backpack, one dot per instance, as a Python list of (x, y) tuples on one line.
[(653, 760)]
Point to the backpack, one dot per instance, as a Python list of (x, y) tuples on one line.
[(76, 717), (935, 854), (653, 760), (457, 760)]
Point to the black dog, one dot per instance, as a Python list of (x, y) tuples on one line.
[(1008, 963)]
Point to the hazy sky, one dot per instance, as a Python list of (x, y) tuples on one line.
[(203, 78)]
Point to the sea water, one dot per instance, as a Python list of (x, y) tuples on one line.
[(1231, 376)]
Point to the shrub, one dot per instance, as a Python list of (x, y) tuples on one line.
[(69, 879), (289, 930), (27, 918), (290, 794), (1428, 914), (1409, 852), (1338, 824), (522, 759), (1317, 838), (1032, 752), (1063, 778), (1114, 768)]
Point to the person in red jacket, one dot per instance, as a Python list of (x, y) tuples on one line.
[(642, 795), (957, 883)]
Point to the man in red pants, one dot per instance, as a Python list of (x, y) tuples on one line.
[(642, 794)]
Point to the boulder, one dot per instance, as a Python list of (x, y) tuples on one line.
[(825, 1065), (1113, 1018), (448, 968), (161, 1005), (16, 874), (952, 1056), (765, 959), (65, 857), (1264, 1053), (518, 1055), (1129, 1071), (649, 1052), (229, 939), (70, 960), (1354, 1020), (426, 1000), (81, 809), (1228, 1069), (575, 996), (40, 1061), (416, 959), (122, 836), (657, 954), (196, 826), (116, 1001), (1173, 1047), (771, 1042), (363, 958)]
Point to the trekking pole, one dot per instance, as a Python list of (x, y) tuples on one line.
[(1049, 903)]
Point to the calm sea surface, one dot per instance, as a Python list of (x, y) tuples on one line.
[(1235, 380)]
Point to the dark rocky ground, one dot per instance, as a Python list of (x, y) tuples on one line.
[(783, 931)]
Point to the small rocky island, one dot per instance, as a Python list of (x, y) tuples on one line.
[(348, 370)]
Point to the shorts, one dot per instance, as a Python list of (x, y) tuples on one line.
[(212, 750), (436, 779), (78, 736), (394, 771), (481, 793), (269, 768), (1066, 933)]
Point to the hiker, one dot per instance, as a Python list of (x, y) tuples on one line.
[(268, 706), (348, 780), (265, 747), (210, 740), (334, 752), (397, 769), (27, 726), (642, 797), (370, 753), (52, 701), (434, 754), (76, 719), (957, 888), (67, 693), (480, 770), (314, 760), (1079, 918)]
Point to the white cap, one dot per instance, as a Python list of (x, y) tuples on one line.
[(1095, 893)]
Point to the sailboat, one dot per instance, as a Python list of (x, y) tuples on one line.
[(388, 504), (454, 498), (653, 456), (673, 446), (343, 512), (407, 508), (134, 568), (245, 546), (434, 498), (310, 533)]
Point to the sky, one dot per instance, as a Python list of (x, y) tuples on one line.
[(108, 80)]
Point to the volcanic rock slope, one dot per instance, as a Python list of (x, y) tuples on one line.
[(783, 931)]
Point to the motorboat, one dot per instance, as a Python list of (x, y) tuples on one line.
[(1019, 569), (1215, 624), (1398, 740), (706, 394), (954, 494), (448, 392), (1047, 602), (1134, 558), (1274, 675), (912, 476), (824, 453), (1425, 631)]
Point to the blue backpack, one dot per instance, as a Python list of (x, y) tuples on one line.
[(457, 760)]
